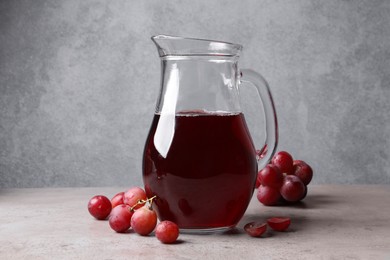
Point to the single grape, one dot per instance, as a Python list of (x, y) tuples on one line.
[(144, 221), (268, 195), (279, 223), (133, 195), (120, 218), (271, 176), (292, 189), (167, 232), (99, 207), (304, 194), (117, 199), (303, 171), (284, 161), (258, 183), (255, 229)]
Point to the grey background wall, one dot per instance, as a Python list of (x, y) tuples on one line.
[(79, 82)]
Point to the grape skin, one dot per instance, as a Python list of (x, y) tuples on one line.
[(99, 207), (167, 232), (268, 195), (303, 171), (120, 218), (279, 223), (284, 161), (117, 199), (133, 195), (144, 221), (271, 176), (292, 189)]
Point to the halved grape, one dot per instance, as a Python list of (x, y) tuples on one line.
[(279, 223), (255, 229)]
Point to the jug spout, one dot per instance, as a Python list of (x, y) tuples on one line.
[(180, 46)]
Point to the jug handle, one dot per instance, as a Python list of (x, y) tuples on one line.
[(271, 124)]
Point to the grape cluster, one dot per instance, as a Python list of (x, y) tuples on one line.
[(283, 180), (132, 209)]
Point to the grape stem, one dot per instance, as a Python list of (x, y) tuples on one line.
[(143, 202)]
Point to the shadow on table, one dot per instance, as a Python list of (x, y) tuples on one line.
[(314, 201), (240, 231)]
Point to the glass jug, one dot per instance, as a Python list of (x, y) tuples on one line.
[(199, 159)]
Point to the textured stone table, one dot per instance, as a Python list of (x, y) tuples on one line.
[(334, 222)]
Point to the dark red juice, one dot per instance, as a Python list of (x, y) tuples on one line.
[(205, 179)]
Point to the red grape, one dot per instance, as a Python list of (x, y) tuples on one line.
[(255, 229), (304, 194), (117, 199), (292, 189), (258, 183), (99, 207), (279, 223), (167, 232), (284, 161), (283, 180), (303, 171), (120, 218), (133, 195), (268, 196), (270, 176), (144, 221)]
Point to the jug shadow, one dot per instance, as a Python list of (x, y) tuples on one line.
[(299, 219)]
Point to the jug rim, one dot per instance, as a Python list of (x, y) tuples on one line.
[(168, 45)]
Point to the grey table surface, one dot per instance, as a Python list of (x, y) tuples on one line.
[(333, 222)]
